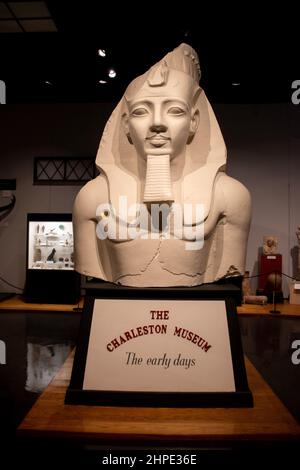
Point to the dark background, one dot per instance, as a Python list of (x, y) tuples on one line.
[(238, 44)]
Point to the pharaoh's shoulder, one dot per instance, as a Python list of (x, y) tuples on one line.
[(91, 195), (233, 198)]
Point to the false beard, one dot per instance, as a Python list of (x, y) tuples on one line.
[(158, 186)]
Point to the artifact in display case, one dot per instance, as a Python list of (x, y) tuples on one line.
[(50, 275), (50, 245)]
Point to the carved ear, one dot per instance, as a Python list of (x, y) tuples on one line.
[(195, 119), (126, 127)]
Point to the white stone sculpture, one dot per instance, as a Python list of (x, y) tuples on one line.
[(162, 212), (270, 246)]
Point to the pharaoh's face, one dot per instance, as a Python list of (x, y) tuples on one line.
[(161, 120)]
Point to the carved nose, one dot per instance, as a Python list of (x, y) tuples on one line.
[(158, 128)]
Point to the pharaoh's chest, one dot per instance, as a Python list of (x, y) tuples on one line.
[(154, 222), (161, 262)]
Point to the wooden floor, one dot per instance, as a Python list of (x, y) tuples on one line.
[(286, 309), (268, 421), (17, 303)]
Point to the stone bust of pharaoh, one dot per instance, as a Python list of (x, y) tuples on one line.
[(270, 245), (162, 212)]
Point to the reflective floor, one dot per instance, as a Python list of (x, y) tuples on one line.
[(37, 344), (33, 347), (267, 341)]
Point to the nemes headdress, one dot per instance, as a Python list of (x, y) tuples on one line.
[(183, 59), (117, 159)]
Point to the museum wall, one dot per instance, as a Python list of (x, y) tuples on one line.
[(263, 144), (29, 131)]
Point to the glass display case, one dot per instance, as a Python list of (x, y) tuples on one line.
[(50, 245), (50, 274)]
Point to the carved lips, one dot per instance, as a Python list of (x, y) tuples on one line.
[(158, 140)]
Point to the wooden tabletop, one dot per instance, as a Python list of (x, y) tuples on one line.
[(17, 303), (285, 309), (269, 420)]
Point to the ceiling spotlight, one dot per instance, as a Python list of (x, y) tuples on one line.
[(235, 84), (101, 52), (112, 73), (47, 82), (102, 82)]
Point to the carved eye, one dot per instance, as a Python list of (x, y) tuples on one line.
[(104, 214), (176, 111), (139, 112)]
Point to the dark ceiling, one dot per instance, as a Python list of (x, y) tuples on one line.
[(241, 62)]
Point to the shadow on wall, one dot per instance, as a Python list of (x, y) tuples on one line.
[(294, 256)]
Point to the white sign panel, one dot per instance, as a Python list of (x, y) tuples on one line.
[(159, 346)]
